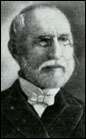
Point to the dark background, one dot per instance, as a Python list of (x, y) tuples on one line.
[(75, 11)]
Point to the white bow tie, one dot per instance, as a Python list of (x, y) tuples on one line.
[(47, 99)]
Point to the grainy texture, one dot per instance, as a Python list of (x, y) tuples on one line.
[(43, 102)]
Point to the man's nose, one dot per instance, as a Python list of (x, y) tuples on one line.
[(55, 50)]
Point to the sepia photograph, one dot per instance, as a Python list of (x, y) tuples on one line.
[(42, 69)]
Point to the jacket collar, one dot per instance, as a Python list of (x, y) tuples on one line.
[(23, 117)]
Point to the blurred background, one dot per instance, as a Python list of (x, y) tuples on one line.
[(75, 11)]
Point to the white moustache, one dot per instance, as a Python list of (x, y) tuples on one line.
[(52, 63)]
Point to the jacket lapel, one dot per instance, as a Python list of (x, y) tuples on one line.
[(65, 119), (22, 116)]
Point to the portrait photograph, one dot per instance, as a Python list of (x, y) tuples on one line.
[(42, 69)]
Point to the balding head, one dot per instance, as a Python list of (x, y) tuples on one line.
[(47, 16)]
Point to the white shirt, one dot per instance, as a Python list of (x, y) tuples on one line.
[(31, 90)]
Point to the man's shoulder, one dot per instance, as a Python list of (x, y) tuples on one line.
[(75, 106), (73, 100), (72, 115), (77, 110), (5, 94), (9, 92)]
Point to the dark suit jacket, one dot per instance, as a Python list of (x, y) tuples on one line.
[(64, 119)]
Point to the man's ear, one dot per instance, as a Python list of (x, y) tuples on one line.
[(13, 49)]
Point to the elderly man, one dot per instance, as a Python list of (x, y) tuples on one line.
[(36, 105)]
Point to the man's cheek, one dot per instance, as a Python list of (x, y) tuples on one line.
[(68, 53), (36, 57), (38, 54), (38, 51)]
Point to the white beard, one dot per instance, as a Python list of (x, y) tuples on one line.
[(55, 79)]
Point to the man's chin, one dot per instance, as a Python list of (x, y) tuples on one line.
[(51, 83)]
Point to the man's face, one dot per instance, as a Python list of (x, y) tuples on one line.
[(47, 60)]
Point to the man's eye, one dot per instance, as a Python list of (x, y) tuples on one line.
[(64, 39), (43, 43)]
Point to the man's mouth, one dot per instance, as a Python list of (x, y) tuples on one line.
[(52, 67)]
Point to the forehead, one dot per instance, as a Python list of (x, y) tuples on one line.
[(47, 21)]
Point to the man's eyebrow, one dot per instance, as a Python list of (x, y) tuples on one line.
[(49, 36), (64, 35), (45, 36)]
